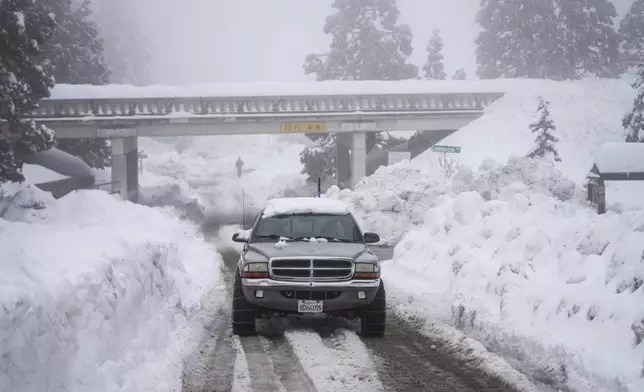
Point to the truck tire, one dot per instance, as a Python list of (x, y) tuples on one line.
[(243, 319), (374, 316)]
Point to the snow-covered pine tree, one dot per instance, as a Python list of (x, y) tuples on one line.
[(460, 74), (631, 30), (545, 140), (434, 68), (364, 33), (319, 161), (76, 51), (125, 46), (633, 122), (25, 77), (588, 30), (519, 38)]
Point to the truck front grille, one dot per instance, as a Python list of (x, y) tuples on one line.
[(313, 269)]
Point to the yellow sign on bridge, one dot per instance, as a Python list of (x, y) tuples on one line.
[(304, 127)]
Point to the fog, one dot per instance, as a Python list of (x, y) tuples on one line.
[(267, 40)]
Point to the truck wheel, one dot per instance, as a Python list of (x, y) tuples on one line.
[(243, 319), (374, 316)]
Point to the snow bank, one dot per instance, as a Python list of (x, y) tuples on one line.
[(511, 256), (158, 191), (396, 198), (93, 290), (587, 114), (207, 165)]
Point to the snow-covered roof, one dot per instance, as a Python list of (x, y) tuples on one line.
[(273, 89), (305, 205), (620, 158)]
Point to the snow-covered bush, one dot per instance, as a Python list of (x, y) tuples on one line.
[(92, 288)]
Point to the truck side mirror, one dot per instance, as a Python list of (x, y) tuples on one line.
[(371, 238), (238, 238)]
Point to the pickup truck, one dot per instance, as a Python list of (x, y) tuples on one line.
[(307, 255)]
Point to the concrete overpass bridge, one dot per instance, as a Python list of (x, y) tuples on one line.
[(350, 109)]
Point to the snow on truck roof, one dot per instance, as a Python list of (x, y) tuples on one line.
[(620, 158), (305, 205)]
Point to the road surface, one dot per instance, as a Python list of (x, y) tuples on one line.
[(326, 355)]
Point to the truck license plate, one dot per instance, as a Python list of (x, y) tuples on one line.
[(309, 306)]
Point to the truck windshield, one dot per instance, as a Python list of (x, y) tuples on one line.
[(341, 228)]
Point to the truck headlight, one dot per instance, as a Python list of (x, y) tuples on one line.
[(255, 271), (366, 271)]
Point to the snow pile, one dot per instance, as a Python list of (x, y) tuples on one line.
[(93, 289), (513, 261), (587, 113), (157, 191), (207, 165), (390, 207), (396, 198)]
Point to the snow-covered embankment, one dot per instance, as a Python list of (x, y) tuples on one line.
[(98, 294), (511, 254)]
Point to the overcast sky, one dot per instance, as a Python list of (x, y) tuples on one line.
[(267, 40)]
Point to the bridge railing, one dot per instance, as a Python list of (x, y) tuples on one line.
[(54, 108)]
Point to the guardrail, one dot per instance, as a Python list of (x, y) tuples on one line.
[(125, 107)]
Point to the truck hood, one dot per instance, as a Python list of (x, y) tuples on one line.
[(309, 249)]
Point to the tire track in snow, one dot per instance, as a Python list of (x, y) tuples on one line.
[(211, 367), (287, 367), (409, 361), (339, 362), (260, 366)]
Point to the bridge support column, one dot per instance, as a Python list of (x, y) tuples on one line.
[(358, 158), (343, 159), (125, 173)]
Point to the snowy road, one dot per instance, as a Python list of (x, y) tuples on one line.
[(326, 356)]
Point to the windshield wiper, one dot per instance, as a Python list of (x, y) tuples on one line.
[(300, 239), (271, 237), (337, 239)]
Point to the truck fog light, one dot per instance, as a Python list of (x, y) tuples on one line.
[(259, 293), (362, 295)]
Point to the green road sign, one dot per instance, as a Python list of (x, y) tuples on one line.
[(450, 149)]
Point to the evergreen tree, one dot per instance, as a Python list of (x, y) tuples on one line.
[(520, 38), (24, 79), (76, 52), (125, 47), (460, 74), (634, 121), (631, 30), (434, 68), (545, 140), (367, 43), (593, 43), (319, 161), (547, 39)]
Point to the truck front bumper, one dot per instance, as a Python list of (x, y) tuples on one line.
[(284, 296)]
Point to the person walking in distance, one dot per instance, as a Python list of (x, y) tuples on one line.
[(240, 165)]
